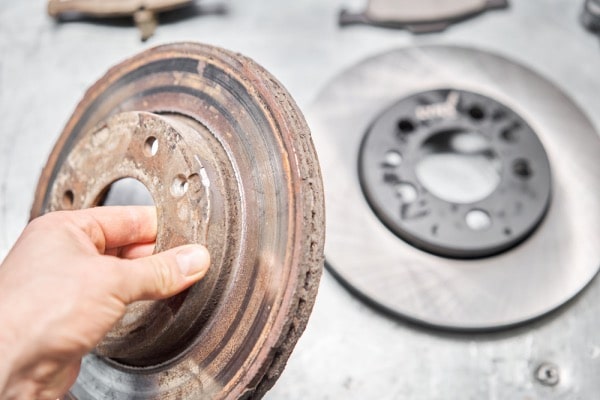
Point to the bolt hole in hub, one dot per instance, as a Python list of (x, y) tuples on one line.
[(151, 146), (455, 173), (67, 199)]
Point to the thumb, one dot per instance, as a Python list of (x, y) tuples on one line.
[(164, 274)]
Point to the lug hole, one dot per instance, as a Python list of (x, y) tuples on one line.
[(478, 220), (180, 186), (151, 146), (509, 134), (68, 199), (476, 112), (521, 168), (392, 158), (406, 126), (407, 192)]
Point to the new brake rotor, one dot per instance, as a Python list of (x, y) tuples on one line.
[(229, 161), (518, 249)]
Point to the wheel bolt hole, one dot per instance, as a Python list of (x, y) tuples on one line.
[(407, 192), (522, 169), (478, 220), (68, 199), (406, 126), (392, 158), (476, 112), (509, 134), (180, 186), (151, 146)]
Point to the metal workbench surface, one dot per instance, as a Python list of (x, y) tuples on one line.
[(349, 351)]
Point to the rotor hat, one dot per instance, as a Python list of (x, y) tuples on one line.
[(494, 160)]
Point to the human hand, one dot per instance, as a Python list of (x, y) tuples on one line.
[(68, 280)]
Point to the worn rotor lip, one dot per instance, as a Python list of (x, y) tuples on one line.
[(500, 291), (271, 287)]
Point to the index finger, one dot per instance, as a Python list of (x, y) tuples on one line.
[(116, 226)]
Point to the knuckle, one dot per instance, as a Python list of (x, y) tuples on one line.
[(44, 222), (164, 279)]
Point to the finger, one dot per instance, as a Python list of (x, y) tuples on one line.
[(132, 251), (137, 250), (162, 275), (117, 226), (60, 381)]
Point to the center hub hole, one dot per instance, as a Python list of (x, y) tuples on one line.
[(458, 166), (127, 192)]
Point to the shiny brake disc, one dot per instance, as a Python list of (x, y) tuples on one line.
[(519, 248)]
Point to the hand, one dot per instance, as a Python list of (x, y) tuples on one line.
[(62, 288)]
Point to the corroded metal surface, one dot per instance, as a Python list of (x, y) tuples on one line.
[(106, 8), (229, 161), (143, 11)]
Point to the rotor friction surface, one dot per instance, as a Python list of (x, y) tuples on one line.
[(265, 230), (527, 281)]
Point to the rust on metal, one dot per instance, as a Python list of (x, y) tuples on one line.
[(143, 11), (228, 159)]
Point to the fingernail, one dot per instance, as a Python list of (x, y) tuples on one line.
[(192, 260)]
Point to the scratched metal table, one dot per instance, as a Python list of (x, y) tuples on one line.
[(348, 351)]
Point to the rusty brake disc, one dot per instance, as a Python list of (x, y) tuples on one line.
[(228, 159)]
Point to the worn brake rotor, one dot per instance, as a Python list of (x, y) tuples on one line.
[(228, 159)]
